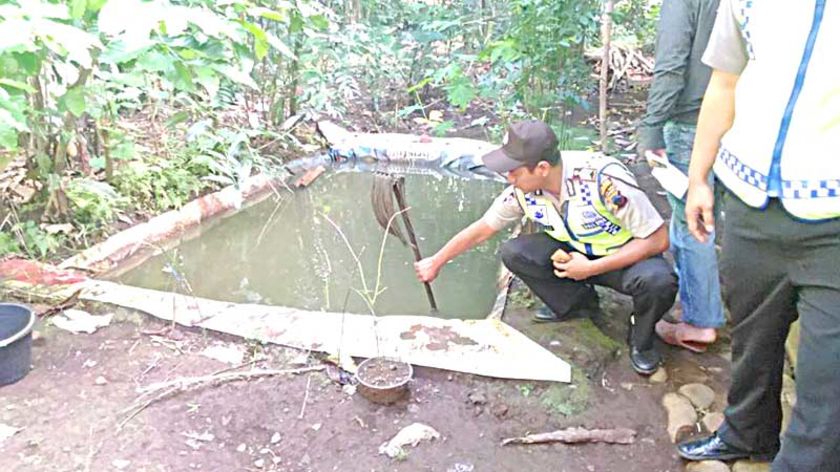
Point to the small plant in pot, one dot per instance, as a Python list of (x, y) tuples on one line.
[(381, 379), (384, 380)]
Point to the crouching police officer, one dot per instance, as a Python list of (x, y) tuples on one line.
[(599, 229)]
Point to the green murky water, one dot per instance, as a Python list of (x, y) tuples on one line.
[(284, 251)]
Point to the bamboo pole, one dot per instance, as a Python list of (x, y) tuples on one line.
[(398, 192)]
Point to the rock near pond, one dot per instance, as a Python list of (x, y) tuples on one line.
[(660, 376), (750, 466), (681, 416), (712, 421), (701, 396), (707, 466)]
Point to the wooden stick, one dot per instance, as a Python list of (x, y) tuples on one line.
[(185, 382), (606, 32), (577, 435), (305, 396), (145, 405), (398, 183)]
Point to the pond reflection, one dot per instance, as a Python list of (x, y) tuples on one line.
[(285, 251)]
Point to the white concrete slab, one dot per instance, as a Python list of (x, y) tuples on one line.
[(484, 347)]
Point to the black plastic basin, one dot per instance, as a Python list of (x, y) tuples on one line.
[(15, 341)]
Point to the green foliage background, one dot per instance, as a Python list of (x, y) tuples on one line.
[(119, 106)]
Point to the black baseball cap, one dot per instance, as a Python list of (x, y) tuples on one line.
[(526, 143)]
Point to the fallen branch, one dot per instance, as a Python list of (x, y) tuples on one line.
[(182, 384), (305, 397), (309, 176), (251, 362), (139, 408), (577, 436), (185, 383), (65, 304)]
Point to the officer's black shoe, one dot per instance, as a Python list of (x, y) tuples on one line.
[(587, 310), (546, 315), (713, 448), (645, 362)]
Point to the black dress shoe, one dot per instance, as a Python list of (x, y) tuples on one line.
[(587, 310), (645, 362), (713, 448), (546, 315)]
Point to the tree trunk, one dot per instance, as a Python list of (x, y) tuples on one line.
[(293, 74), (39, 130), (58, 205), (106, 150), (355, 11), (606, 33)]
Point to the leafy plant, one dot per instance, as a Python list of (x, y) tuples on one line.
[(158, 184), (66, 66), (93, 202), (541, 51), (25, 237), (525, 389)]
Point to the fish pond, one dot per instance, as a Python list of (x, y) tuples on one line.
[(321, 248)]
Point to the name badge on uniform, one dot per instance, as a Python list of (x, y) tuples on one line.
[(540, 212)]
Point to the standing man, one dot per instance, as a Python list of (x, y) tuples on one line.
[(770, 125), (600, 229), (679, 82)]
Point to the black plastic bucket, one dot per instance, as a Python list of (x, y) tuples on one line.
[(16, 323)]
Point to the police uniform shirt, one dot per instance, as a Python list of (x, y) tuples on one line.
[(626, 201)]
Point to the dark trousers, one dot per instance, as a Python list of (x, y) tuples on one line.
[(776, 269), (651, 282)]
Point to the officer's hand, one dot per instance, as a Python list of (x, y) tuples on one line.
[(427, 269), (560, 256), (578, 267), (699, 214)]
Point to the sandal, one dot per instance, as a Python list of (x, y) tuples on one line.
[(685, 335)]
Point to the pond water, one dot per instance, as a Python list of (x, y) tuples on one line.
[(285, 251)]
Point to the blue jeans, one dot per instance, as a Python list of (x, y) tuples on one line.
[(696, 262)]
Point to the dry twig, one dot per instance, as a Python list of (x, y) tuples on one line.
[(182, 384), (577, 436), (305, 397), (65, 304), (185, 383)]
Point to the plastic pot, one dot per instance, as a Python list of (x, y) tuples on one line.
[(383, 380), (16, 323)]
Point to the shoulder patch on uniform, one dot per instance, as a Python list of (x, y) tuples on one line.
[(611, 195)]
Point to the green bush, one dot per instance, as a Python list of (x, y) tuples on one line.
[(93, 202), (157, 184), (28, 239)]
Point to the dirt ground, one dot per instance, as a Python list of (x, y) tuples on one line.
[(82, 387)]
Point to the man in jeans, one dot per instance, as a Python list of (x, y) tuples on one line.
[(667, 129), (770, 125)]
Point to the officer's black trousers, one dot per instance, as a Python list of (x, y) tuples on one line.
[(651, 282), (775, 269)]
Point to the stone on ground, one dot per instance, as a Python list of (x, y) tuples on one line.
[(660, 376), (701, 396), (681, 416), (712, 421), (751, 466), (409, 436), (707, 466)]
